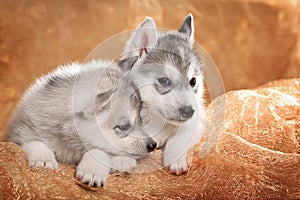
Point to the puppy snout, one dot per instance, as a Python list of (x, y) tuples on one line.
[(151, 145), (186, 111)]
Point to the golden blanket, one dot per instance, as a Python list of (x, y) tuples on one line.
[(257, 156)]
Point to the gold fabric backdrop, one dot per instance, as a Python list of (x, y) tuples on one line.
[(251, 41)]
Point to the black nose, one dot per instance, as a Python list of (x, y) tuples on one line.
[(186, 111), (151, 146)]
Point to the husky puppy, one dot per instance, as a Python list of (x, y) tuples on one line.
[(167, 75), (66, 117)]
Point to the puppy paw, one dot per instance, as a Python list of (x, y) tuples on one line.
[(42, 162), (122, 163), (92, 176), (92, 172), (40, 155), (177, 167)]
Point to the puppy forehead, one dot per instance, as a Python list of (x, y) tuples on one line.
[(174, 49), (176, 76), (174, 55), (172, 72)]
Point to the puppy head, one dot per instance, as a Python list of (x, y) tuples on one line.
[(165, 91), (129, 139), (119, 124), (166, 69)]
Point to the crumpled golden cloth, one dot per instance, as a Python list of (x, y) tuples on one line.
[(257, 156)]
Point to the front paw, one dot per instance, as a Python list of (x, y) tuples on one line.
[(50, 163), (122, 163), (92, 172), (40, 155), (178, 166)]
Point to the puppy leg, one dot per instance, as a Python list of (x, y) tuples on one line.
[(175, 158), (122, 163), (94, 168), (177, 148), (39, 155)]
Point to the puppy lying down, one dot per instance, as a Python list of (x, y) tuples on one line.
[(66, 117)]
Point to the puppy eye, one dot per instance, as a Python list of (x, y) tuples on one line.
[(125, 127), (122, 131), (164, 81), (193, 82)]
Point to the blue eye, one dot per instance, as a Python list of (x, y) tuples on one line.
[(164, 81)]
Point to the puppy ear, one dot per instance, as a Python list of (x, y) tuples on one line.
[(187, 27), (126, 64), (143, 39), (103, 99)]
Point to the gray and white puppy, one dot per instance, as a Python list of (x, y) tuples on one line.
[(167, 76), (66, 117)]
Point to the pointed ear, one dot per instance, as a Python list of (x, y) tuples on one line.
[(142, 40), (187, 27), (103, 99), (126, 64)]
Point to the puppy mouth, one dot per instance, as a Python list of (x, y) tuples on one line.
[(174, 120), (177, 120), (139, 150), (138, 155)]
